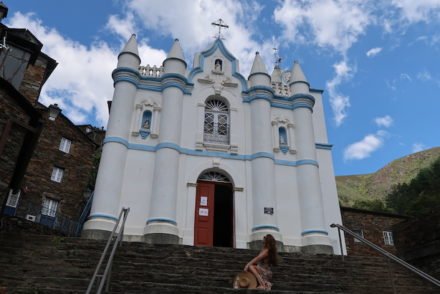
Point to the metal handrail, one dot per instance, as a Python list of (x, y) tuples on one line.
[(105, 276), (387, 254)]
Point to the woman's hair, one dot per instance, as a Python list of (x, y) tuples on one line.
[(270, 244)]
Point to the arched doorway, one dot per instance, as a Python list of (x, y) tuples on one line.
[(214, 217)]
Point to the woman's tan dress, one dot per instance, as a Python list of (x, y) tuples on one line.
[(265, 272)]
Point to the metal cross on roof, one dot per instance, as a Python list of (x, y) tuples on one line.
[(277, 58), (221, 24)]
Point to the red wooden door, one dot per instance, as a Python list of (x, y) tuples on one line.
[(204, 215)]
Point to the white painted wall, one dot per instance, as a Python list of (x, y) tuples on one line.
[(252, 130)]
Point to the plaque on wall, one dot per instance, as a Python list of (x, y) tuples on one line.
[(268, 210), (203, 211), (204, 201)]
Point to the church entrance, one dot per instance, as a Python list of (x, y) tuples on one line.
[(214, 217)]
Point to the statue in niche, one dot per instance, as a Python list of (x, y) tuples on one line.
[(146, 124), (218, 66)]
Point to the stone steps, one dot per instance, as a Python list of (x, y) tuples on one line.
[(53, 264)]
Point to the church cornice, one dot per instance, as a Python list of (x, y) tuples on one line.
[(217, 154)]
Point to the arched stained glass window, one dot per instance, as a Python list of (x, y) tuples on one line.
[(216, 125)]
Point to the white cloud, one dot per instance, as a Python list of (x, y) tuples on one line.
[(384, 121), (365, 147), (327, 23), (81, 84), (405, 76), (424, 75), (339, 102), (417, 147), (418, 10), (373, 51), (190, 21)]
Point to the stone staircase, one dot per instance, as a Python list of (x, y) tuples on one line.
[(54, 264)]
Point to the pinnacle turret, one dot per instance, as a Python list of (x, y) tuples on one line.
[(129, 55), (259, 75), (175, 61), (297, 73), (298, 81)]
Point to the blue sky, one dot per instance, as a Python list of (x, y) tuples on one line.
[(378, 61)]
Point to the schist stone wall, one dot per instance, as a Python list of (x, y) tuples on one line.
[(9, 145), (373, 225), (34, 77), (418, 242), (77, 167)]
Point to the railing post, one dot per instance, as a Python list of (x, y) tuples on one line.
[(340, 244)]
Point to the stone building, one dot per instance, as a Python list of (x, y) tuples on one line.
[(374, 226), (45, 160), (206, 157)]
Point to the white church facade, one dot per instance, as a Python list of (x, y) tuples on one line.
[(206, 157)]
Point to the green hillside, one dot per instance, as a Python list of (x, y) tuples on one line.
[(377, 185)]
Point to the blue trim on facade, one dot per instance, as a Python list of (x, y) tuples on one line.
[(259, 73), (308, 232), (175, 76), (161, 220), (152, 88), (103, 215), (257, 97), (169, 145), (302, 105), (265, 227), (218, 44), (125, 79), (129, 53), (297, 82), (323, 146)]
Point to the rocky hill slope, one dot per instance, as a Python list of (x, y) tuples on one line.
[(377, 185)]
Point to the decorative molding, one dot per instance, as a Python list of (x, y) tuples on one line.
[(265, 227), (216, 162), (308, 232), (205, 153), (191, 184), (238, 189), (206, 80)]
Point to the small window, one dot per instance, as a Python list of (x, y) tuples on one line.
[(359, 233), (388, 238), (65, 145), (50, 207), (57, 174), (13, 199)]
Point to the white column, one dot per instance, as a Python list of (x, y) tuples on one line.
[(290, 131), (200, 125), (161, 224), (155, 122), (106, 199), (262, 172), (275, 136), (314, 231), (234, 131)]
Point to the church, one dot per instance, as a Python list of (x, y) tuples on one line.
[(203, 156)]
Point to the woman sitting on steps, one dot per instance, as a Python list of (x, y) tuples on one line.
[(261, 265)]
